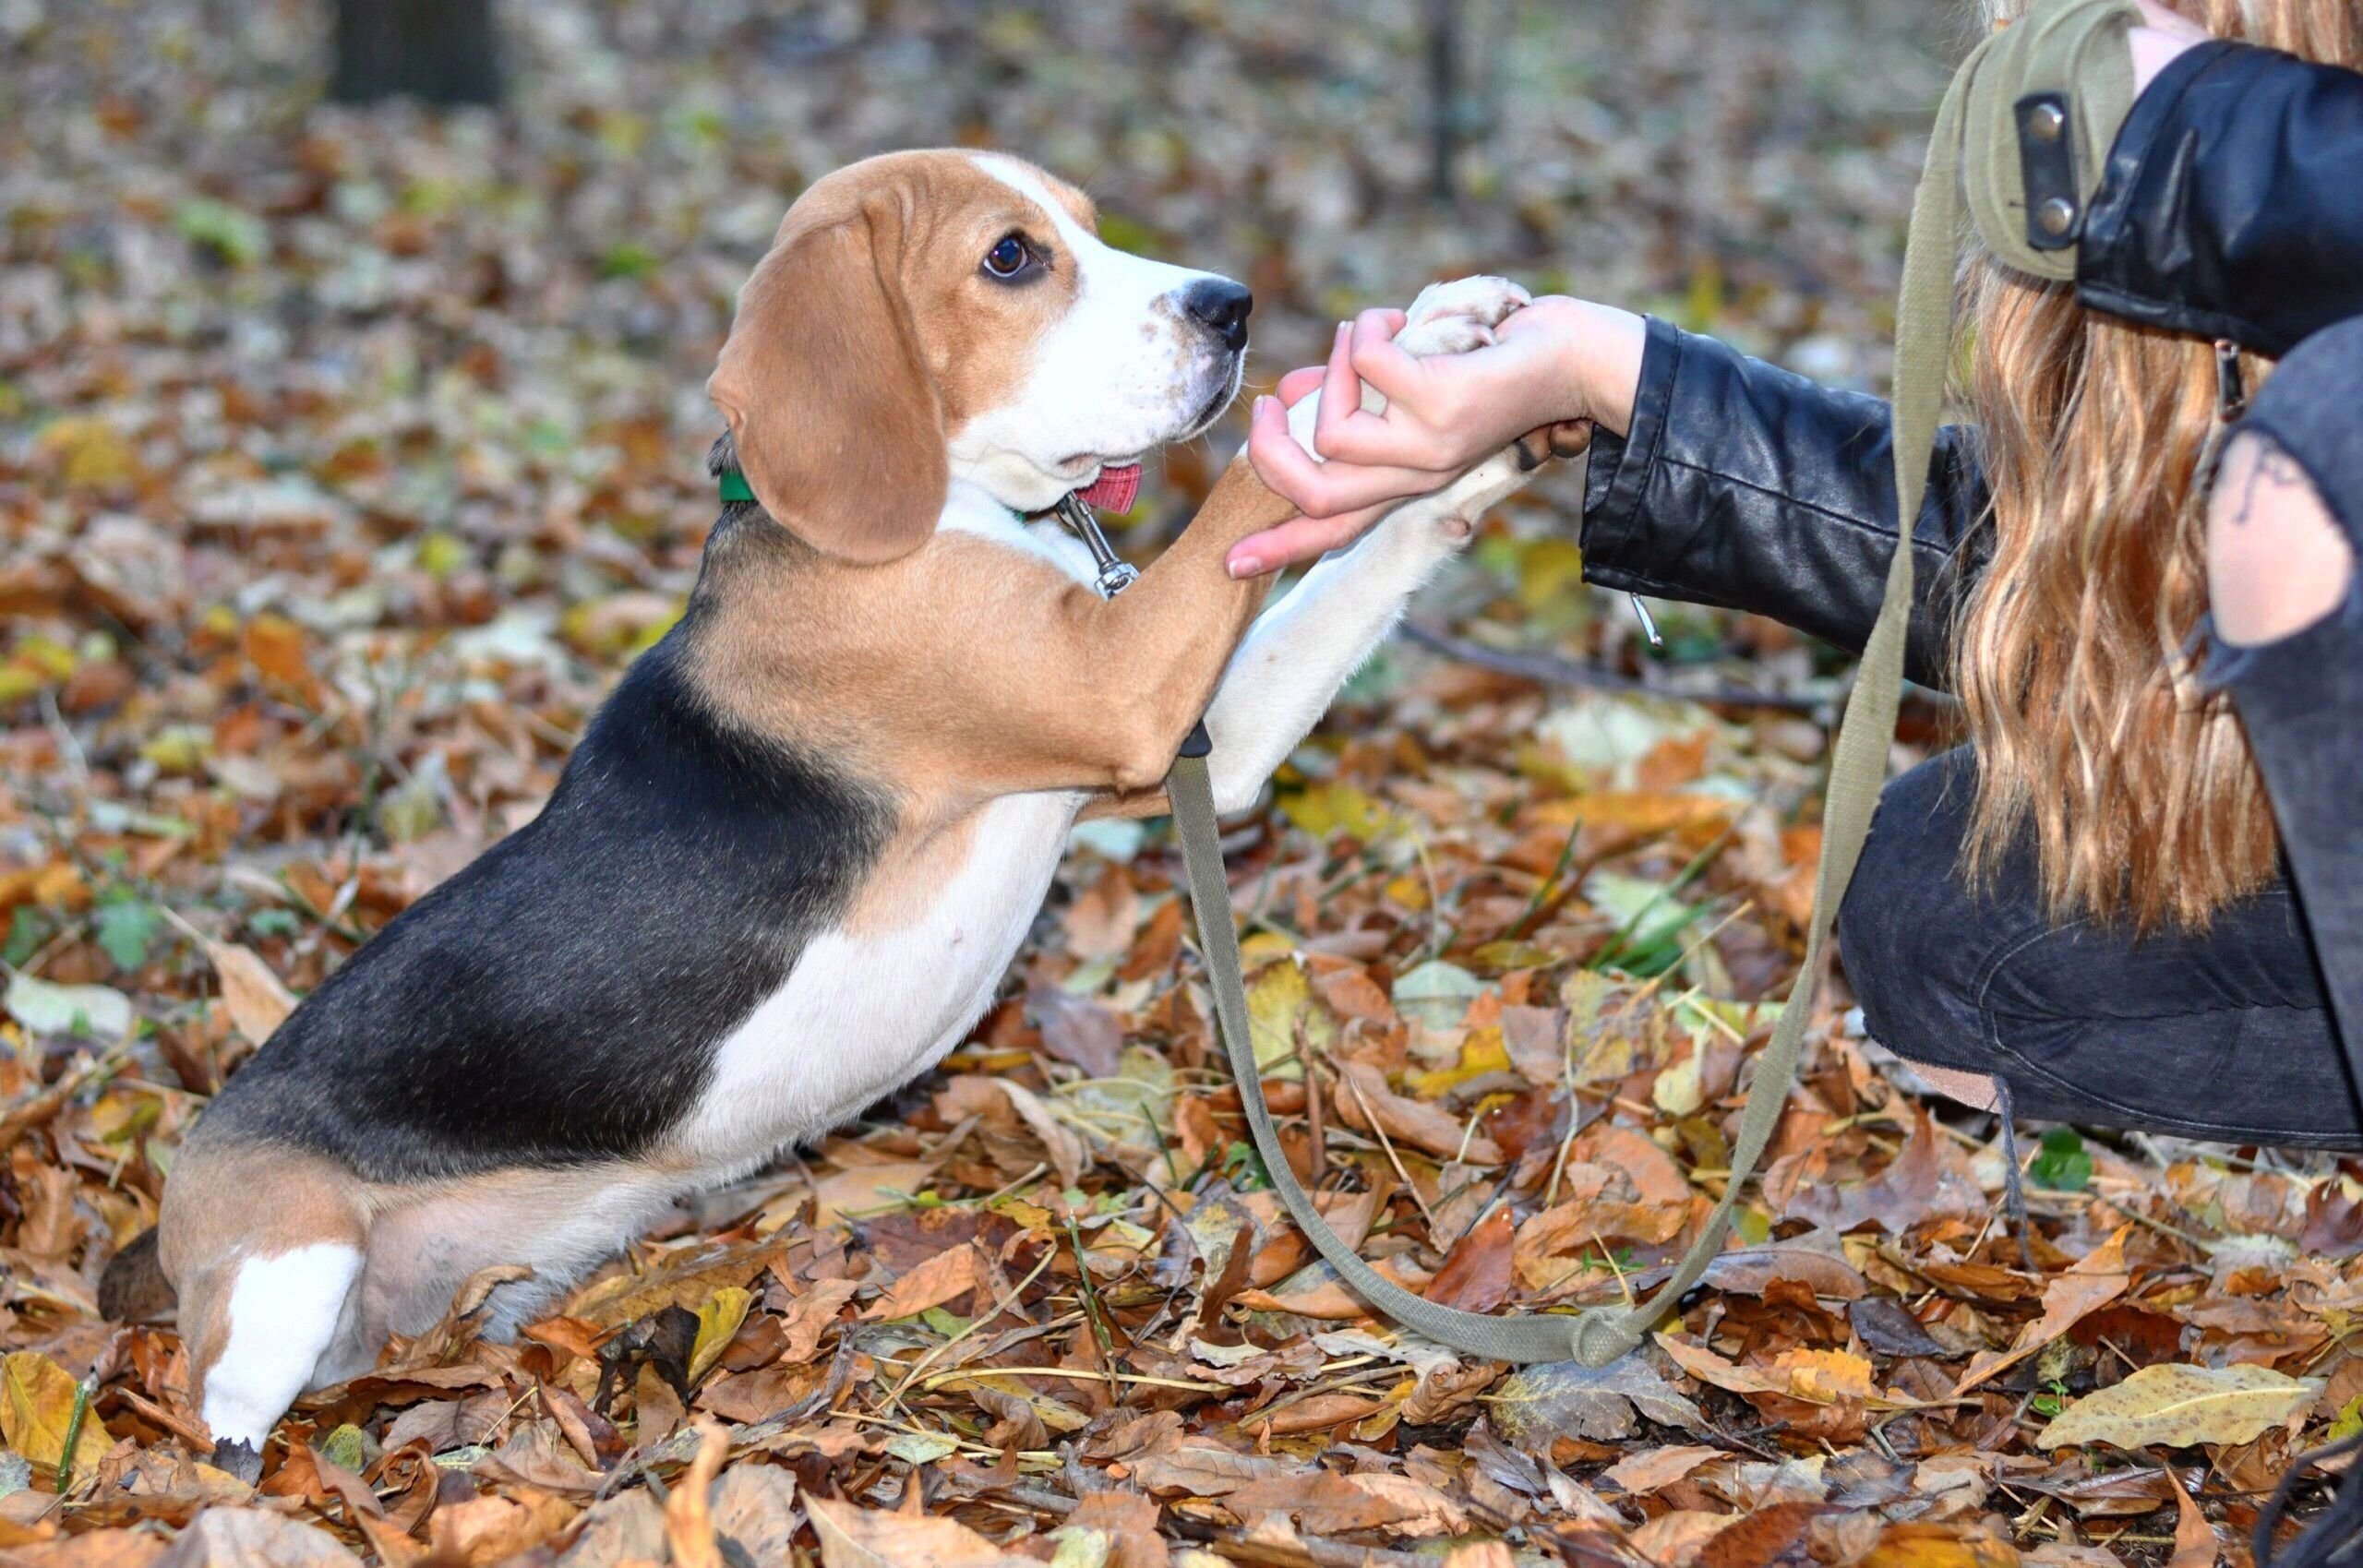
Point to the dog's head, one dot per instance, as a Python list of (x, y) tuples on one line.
[(923, 316)]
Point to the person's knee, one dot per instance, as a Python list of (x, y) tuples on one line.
[(2277, 560), (2284, 519), (1902, 926)]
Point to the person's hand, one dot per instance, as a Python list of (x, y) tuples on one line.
[(2163, 35), (1555, 359)]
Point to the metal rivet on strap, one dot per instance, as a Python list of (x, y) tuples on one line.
[(2054, 215), (2044, 121)]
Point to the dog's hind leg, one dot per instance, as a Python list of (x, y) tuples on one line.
[(265, 1255)]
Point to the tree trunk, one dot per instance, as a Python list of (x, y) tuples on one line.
[(439, 50), (1444, 100)]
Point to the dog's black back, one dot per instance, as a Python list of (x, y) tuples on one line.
[(559, 1001)]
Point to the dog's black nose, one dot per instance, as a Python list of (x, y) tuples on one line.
[(1223, 306)]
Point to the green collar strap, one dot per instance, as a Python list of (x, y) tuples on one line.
[(734, 487)]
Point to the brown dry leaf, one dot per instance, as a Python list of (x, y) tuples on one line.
[(814, 1313), (258, 1000), (1315, 1291), (36, 1410), (1076, 1029), (2096, 1279), (1201, 1468), (486, 1530), (1476, 1273), (685, 1277), (948, 1276), (1654, 1467), (2178, 1407), (253, 1538), (1068, 1153), (1326, 1503), (689, 1515), (862, 1538), (1366, 1103), (1928, 1177), (1816, 1377), (1674, 1539), (862, 1190), (1536, 1406), (2196, 1543), (1762, 1538)]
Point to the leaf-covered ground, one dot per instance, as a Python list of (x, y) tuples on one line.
[(348, 456)]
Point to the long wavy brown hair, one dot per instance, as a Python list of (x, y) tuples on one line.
[(2138, 789)]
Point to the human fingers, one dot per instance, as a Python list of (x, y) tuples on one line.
[(1320, 490), (1295, 386), (1302, 539), (1341, 393)]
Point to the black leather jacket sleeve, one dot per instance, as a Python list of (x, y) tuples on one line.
[(1743, 485), (2232, 204)]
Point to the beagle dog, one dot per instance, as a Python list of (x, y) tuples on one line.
[(787, 868)]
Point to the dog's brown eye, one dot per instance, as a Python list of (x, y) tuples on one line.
[(1008, 258)]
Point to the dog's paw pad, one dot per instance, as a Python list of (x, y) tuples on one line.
[(240, 1459)]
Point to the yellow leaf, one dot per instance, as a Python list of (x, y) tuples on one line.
[(93, 455), (1826, 1377), (1482, 1053), (1678, 1091), (718, 1320), (36, 1407), (2178, 1407), (1278, 1003), (1325, 809)]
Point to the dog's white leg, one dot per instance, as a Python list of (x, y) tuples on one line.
[(1300, 650), (283, 1316)]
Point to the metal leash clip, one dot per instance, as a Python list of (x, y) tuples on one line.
[(1649, 622), (1115, 573)]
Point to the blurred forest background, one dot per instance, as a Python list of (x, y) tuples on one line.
[(349, 449)]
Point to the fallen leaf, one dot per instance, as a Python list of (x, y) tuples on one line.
[(1326, 1503), (259, 1003), (863, 1538), (1890, 1330), (1476, 1273), (689, 1508), (1654, 1467), (251, 1537), (718, 1322), (946, 1276), (1762, 1537), (1536, 1405), (95, 1012), (1367, 1104), (36, 1409), (2196, 1543), (2098, 1279), (2180, 1407)]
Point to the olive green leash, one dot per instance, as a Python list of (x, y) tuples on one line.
[(2023, 129)]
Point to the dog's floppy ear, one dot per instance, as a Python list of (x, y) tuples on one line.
[(837, 422)]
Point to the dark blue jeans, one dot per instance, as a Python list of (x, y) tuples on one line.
[(2244, 1033)]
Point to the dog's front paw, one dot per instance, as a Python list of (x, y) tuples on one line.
[(1456, 317)]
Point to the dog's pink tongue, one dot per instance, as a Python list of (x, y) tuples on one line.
[(1114, 489)]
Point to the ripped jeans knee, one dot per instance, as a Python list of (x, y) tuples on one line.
[(2277, 561)]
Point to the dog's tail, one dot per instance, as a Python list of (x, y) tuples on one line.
[(133, 1288)]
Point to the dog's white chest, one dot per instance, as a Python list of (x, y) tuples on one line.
[(861, 1014)]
